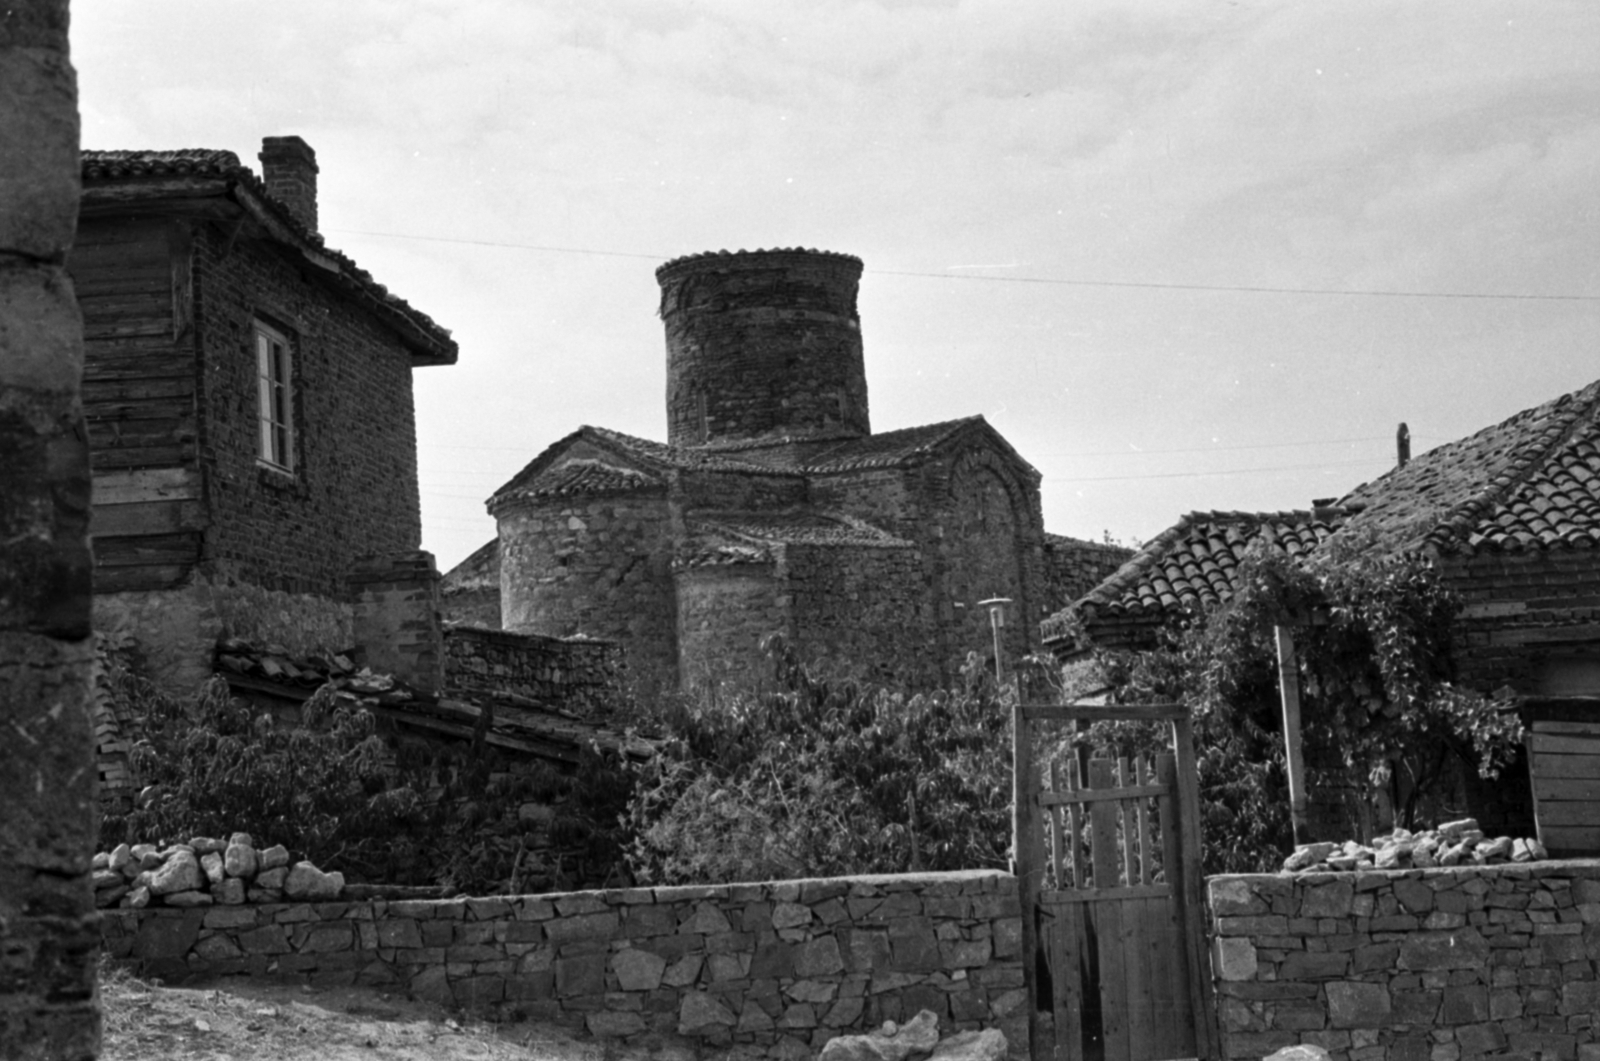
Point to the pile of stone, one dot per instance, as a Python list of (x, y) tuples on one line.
[(1459, 843), (273, 663), (915, 1039), (206, 871)]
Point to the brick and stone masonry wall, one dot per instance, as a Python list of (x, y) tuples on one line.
[(47, 921), (1414, 965), (597, 566), (578, 675), (786, 965), (354, 488)]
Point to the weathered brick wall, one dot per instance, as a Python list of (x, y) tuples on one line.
[(787, 965), (395, 617), (598, 566), (745, 491), (1521, 610), (763, 343), (1416, 965), (865, 607), (724, 610), (354, 491), (576, 675)]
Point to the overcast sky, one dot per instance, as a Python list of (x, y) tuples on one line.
[(1000, 166)]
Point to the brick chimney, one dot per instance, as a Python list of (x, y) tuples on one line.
[(289, 167)]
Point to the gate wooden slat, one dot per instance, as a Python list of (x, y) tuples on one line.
[(1058, 850), (1191, 909), (1079, 827), (1145, 850), (1107, 917), (1067, 975), (1130, 839), (1174, 984)]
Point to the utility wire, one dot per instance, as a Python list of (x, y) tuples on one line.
[(1137, 284), (1231, 471)]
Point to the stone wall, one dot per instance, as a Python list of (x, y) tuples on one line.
[(395, 617), (786, 965), (469, 593), (1416, 965), (724, 610), (47, 922), (172, 634), (599, 566), (577, 675), (1073, 567), (864, 607)]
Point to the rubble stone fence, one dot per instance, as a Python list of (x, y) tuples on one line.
[(1443, 964), (787, 965)]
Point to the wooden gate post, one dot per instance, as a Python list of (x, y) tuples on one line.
[(1289, 690), (1027, 860)]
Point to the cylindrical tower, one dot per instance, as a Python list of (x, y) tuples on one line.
[(763, 344)]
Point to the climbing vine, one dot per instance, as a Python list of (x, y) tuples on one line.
[(1383, 720)]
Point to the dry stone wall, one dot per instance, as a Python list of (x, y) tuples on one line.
[(1416, 965), (787, 965), (578, 675)]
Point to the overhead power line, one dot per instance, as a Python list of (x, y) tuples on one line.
[(1248, 289), (1230, 471)]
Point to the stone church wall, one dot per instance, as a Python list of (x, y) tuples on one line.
[(724, 610), (864, 608), (764, 344), (595, 565)]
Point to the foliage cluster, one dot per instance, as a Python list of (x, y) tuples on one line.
[(1379, 708), (336, 792), (821, 776)]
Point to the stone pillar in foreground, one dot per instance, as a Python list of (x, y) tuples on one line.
[(49, 933)]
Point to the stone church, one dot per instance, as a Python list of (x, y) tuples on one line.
[(772, 506)]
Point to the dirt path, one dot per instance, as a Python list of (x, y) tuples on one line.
[(238, 1019)]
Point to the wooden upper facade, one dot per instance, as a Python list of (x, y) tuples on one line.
[(181, 259)]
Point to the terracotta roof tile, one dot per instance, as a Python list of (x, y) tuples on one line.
[(1492, 489), (889, 448), (1191, 565), (1530, 482), (587, 477)]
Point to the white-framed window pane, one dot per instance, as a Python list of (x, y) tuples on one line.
[(274, 399)]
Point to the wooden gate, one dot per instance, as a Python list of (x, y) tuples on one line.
[(1108, 868)]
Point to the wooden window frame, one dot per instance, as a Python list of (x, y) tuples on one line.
[(275, 399)]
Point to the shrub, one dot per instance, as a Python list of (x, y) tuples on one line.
[(824, 777)]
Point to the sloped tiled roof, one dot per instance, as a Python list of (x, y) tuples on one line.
[(1192, 564), (889, 448), (111, 166), (653, 460), (1531, 481), (587, 477)]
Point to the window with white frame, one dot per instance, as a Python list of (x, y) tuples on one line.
[(274, 399)]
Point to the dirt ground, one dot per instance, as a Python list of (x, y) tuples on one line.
[(237, 1019)]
